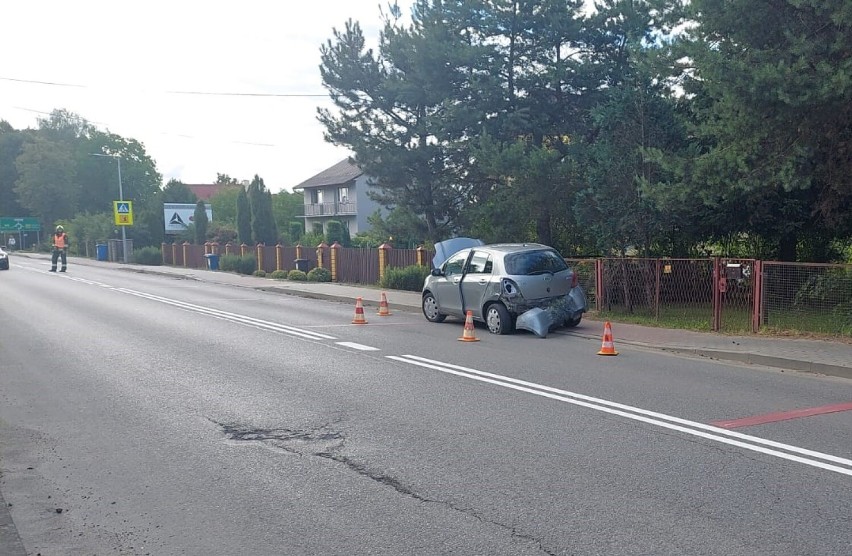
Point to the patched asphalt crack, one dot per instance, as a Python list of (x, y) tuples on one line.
[(322, 442)]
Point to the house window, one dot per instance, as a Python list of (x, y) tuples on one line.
[(343, 194)]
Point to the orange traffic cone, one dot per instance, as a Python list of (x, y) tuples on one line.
[(469, 333), (384, 311), (607, 347), (359, 313)]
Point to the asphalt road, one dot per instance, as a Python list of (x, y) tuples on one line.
[(146, 415)]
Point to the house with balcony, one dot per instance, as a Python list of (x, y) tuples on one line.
[(338, 193)]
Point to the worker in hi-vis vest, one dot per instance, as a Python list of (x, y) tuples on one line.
[(60, 246)]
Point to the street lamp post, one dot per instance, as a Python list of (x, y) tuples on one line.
[(120, 198)]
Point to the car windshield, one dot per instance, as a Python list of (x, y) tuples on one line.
[(527, 263)]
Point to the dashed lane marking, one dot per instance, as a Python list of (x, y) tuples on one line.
[(360, 347)]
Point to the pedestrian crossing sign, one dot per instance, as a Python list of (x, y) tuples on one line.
[(123, 212)]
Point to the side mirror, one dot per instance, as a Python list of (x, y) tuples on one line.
[(436, 272)]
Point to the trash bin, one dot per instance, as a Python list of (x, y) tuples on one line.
[(102, 252), (302, 264), (212, 261)]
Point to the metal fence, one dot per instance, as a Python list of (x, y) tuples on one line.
[(807, 296), (728, 295)]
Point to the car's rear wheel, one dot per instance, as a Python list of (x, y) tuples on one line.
[(571, 323), (430, 308), (498, 319)]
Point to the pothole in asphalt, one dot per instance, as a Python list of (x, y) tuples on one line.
[(317, 442)]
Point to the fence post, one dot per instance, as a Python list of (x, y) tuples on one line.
[(174, 254), (185, 249), (207, 249), (163, 252), (421, 256), (279, 255), (335, 253), (321, 249), (243, 249), (298, 250), (229, 247), (383, 259), (657, 289), (757, 292), (599, 284), (214, 247), (259, 248), (717, 294)]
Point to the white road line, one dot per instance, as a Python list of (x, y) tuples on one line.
[(637, 414), (232, 317), (361, 347)]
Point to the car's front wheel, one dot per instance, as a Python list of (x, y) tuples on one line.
[(498, 320), (430, 308)]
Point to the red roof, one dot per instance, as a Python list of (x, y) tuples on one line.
[(206, 190)]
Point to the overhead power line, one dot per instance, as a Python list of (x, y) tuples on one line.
[(181, 135), (42, 82), (205, 93), (243, 94)]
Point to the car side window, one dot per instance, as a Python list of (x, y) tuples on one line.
[(480, 263), (455, 264)]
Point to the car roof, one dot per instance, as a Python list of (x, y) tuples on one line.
[(513, 247)]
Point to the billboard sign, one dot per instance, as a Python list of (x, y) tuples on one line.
[(178, 216)]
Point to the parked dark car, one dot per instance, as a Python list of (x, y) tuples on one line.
[(497, 283), (4, 260)]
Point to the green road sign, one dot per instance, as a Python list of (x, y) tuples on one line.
[(13, 224)]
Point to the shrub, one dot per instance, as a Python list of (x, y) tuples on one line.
[(297, 230), (247, 265), (832, 287), (234, 263), (151, 256), (259, 273), (319, 275), (229, 263), (409, 278), (311, 240), (279, 275), (297, 275), (334, 233)]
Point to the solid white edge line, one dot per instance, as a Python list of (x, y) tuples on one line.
[(633, 416), (233, 317), (663, 416)]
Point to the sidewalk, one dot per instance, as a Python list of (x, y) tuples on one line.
[(816, 356)]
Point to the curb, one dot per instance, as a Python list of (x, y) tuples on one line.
[(781, 363)]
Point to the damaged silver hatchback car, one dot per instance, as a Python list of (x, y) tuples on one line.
[(500, 282)]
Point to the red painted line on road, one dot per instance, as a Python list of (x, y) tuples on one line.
[(782, 416)]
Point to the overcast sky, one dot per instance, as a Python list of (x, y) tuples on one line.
[(124, 56)]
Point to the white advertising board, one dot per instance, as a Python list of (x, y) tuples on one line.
[(178, 216)]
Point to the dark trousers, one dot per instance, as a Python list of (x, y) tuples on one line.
[(57, 253)]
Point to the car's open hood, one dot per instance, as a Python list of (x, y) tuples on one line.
[(446, 248)]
